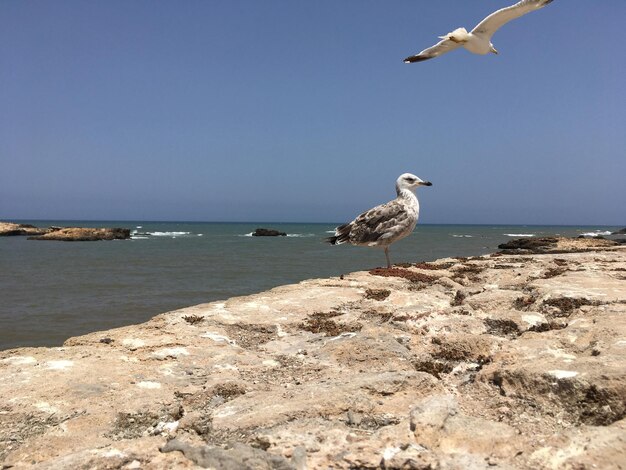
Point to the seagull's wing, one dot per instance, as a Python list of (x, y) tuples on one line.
[(381, 222), (499, 18), (443, 46)]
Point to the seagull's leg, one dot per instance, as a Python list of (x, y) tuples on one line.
[(387, 255)]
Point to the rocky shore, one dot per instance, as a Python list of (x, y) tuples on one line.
[(513, 361), (71, 234)]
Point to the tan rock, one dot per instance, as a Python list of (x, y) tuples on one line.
[(8, 229), (84, 234), (525, 369)]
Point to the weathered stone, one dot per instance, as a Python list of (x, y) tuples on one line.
[(555, 244), (78, 234), (8, 229), (521, 371)]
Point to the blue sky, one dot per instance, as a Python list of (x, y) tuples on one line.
[(300, 111)]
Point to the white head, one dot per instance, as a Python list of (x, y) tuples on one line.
[(410, 182)]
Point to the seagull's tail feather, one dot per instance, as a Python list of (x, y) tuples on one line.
[(342, 235)]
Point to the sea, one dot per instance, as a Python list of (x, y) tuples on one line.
[(51, 290)]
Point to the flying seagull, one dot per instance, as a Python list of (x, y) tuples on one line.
[(478, 40), (387, 223)]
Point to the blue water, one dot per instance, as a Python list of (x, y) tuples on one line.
[(50, 291)]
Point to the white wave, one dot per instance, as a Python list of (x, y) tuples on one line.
[(246, 234), (300, 235), (330, 231), (463, 236), (139, 226), (520, 234), (201, 234), (137, 237), (168, 234), (597, 233)]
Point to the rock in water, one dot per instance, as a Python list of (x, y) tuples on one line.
[(8, 229), (79, 234), (267, 232)]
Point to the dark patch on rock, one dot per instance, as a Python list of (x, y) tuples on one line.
[(268, 232), (377, 294), (432, 366), (567, 305), (463, 347), (317, 324), (548, 326), (553, 272), (193, 319), (524, 302), (433, 266), (228, 390), (106, 340), (459, 298), (376, 315), (469, 270), (405, 274), (502, 327)]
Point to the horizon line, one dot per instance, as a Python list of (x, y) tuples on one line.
[(302, 223)]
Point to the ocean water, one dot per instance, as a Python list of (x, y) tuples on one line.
[(50, 291)]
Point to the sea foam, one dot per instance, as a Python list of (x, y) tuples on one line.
[(168, 234), (597, 233)]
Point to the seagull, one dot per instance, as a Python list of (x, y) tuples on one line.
[(387, 223), (478, 40)]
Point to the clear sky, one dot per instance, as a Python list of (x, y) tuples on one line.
[(285, 110)]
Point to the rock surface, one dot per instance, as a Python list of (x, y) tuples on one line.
[(80, 234), (556, 244), (8, 229), (502, 361), (63, 233), (267, 232)]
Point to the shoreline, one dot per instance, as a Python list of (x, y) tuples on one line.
[(514, 359)]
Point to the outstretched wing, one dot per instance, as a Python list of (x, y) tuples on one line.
[(499, 18), (443, 46)]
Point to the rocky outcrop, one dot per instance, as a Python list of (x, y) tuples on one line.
[(556, 244), (63, 233), (267, 232), (8, 229), (78, 234), (621, 231), (502, 361)]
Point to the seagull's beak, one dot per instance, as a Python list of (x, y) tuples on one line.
[(425, 183), (494, 50)]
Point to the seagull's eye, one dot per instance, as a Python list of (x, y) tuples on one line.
[(410, 180)]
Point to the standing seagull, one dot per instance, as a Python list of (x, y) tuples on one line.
[(478, 40), (387, 223)]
